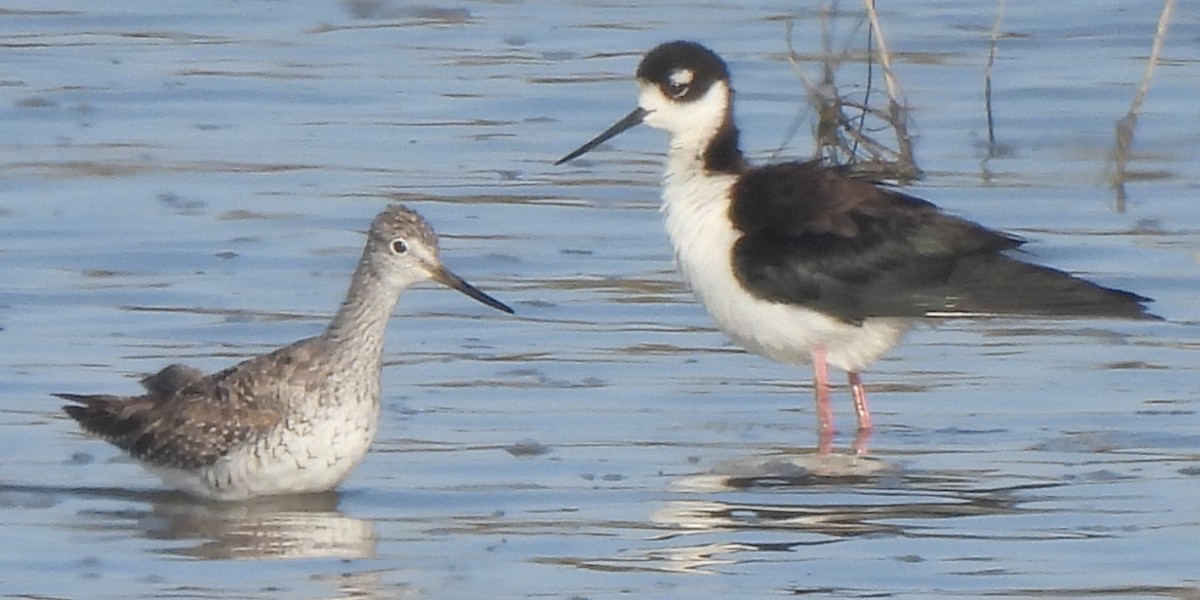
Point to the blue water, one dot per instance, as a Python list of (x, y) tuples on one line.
[(183, 181)]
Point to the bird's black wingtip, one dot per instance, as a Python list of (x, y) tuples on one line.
[(1136, 305), (1146, 315)]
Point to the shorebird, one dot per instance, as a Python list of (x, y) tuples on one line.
[(802, 263), (296, 420)]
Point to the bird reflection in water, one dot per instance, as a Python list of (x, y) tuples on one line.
[(299, 526)]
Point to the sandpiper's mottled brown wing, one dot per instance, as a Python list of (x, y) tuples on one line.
[(188, 421), (171, 379)]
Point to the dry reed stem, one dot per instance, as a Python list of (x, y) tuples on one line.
[(987, 78), (1125, 126), (846, 129)]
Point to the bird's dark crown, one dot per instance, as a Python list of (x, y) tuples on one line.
[(683, 70)]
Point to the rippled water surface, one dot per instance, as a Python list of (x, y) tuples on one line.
[(189, 181)]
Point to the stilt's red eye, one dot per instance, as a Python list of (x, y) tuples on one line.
[(399, 246)]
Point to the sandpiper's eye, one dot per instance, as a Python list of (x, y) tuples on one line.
[(399, 246)]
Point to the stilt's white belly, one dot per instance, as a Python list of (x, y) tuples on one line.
[(696, 213)]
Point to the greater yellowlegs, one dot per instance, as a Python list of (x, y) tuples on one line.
[(801, 263), (296, 420)]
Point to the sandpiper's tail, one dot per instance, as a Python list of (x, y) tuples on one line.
[(105, 416), (122, 420), (140, 427)]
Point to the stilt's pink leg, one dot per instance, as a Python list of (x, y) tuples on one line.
[(824, 442), (862, 439), (860, 402), (821, 391)]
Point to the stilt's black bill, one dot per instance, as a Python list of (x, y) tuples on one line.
[(444, 276), (630, 120)]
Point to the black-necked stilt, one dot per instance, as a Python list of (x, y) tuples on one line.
[(296, 420), (799, 262)]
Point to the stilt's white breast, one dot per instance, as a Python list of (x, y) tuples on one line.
[(696, 210)]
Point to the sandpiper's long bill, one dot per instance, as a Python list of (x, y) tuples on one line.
[(296, 420), (802, 263)]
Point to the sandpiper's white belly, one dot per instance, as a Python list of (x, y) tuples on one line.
[(696, 213), (307, 453)]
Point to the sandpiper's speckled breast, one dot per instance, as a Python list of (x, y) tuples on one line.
[(313, 449)]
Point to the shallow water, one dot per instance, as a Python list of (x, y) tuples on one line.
[(188, 182)]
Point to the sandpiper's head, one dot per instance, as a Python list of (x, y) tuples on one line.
[(404, 250), (683, 88)]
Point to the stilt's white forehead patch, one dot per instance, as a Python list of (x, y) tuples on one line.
[(682, 76)]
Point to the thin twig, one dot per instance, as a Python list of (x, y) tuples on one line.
[(846, 128), (898, 114), (1126, 126), (885, 57), (987, 78)]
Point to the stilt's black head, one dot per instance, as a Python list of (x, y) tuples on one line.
[(683, 71), (683, 89)]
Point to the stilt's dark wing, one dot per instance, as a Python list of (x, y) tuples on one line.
[(815, 237)]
